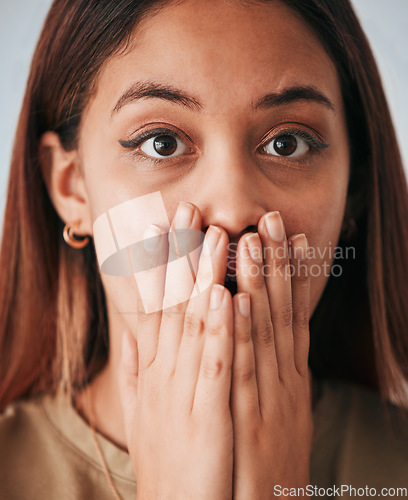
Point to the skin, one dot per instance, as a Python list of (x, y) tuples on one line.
[(230, 185)]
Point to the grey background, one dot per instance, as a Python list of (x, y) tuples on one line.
[(385, 22)]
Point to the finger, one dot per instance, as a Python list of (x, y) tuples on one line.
[(250, 279), (148, 268), (300, 301), (244, 389), (213, 388), (278, 283), (127, 379), (179, 283), (212, 267), (192, 340)]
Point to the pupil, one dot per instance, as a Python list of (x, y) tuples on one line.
[(285, 145), (165, 145)]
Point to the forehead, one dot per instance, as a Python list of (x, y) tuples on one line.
[(223, 51)]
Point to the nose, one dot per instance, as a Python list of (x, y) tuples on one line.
[(231, 194)]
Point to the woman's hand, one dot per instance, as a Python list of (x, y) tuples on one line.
[(271, 394), (175, 383)]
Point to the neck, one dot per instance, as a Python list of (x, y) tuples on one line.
[(100, 401)]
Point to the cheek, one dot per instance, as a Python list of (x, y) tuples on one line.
[(127, 265), (320, 218), (121, 295), (107, 190), (122, 302)]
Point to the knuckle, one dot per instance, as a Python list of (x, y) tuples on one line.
[(257, 280), (174, 311), (302, 276), (282, 271), (284, 316), (220, 330), (265, 333), (245, 374), (280, 266), (193, 326), (243, 336), (293, 391), (145, 318), (211, 367), (292, 402), (302, 318)]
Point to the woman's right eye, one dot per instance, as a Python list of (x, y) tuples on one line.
[(157, 144), (163, 146)]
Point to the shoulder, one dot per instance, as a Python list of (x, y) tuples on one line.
[(33, 457), (359, 438), (47, 451), (21, 425), (26, 440), (342, 398)]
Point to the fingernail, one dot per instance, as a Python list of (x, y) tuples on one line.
[(243, 304), (299, 246), (211, 239), (274, 226), (217, 294), (151, 238), (184, 216), (255, 247)]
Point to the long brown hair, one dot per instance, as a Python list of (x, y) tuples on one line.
[(53, 319)]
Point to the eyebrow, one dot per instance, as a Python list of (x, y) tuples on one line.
[(140, 90), (293, 94), (153, 90)]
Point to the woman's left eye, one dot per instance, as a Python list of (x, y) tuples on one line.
[(292, 144), (163, 146), (287, 145)]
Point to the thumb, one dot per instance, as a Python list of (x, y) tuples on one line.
[(127, 377)]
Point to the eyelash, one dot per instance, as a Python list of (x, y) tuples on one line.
[(144, 136), (313, 141)]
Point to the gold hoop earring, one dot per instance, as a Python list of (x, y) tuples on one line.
[(69, 236)]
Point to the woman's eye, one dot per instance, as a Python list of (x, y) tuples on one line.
[(287, 145), (161, 146)]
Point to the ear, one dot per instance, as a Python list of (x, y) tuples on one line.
[(65, 182)]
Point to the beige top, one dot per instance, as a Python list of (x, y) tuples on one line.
[(47, 450)]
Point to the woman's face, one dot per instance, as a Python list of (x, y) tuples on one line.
[(224, 80)]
